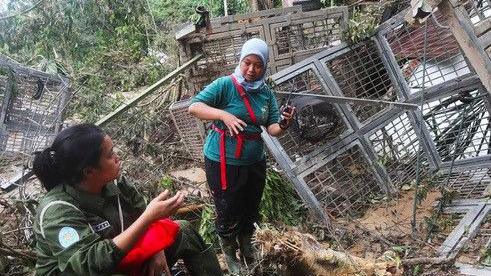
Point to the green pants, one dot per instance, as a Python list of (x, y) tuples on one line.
[(199, 258)]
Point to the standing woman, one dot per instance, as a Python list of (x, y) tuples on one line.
[(235, 163), (93, 222)]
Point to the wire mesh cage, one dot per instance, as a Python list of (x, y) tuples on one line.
[(32, 107), (427, 55), (478, 10), (317, 122), (220, 55), (447, 139), (459, 124), (292, 35), (360, 73), (191, 129), (467, 184), (306, 34), (397, 145), (345, 184)]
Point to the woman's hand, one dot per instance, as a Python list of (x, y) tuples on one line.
[(162, 206), (277, 129), (234, 124), (156, 265), (286, 116)]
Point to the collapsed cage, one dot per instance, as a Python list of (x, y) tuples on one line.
[(340, 156), (32, 107)]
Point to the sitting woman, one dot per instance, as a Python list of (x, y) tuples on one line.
[(93, 222)]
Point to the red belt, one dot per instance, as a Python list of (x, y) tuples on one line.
[(241, 137)]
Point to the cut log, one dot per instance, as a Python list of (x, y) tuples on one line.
[(306, 256)]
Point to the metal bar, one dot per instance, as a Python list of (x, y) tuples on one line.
[(125, 106), (342, 100), (478, 162), (7, 97), (6, 185), (471, 229), (455, 237)]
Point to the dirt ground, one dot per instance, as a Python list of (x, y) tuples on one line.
[(394, 218)]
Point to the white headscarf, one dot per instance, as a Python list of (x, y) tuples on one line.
[(258, 47)]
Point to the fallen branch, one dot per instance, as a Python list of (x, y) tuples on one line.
[(25, 255), (427, 260), (312, 258), (192, 208)]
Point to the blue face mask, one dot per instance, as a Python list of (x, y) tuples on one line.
[(258, 47)]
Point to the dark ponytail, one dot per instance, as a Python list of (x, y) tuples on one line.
[(73, 150)]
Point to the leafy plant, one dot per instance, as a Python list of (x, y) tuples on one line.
[(279, 201), (166, 183), (362, 23), (486, 257), (207, 226)]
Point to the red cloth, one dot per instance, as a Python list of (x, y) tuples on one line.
[(159, 235), (238, 150), (244, 97)]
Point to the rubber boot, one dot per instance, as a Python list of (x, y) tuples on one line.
[(229, 248), (247, 251), (205, 263)]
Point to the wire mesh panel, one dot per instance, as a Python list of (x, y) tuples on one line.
[(190, 129), (468, 184), (32, 109), (302, 35), (459, 124), (478, 10), (317, 122), (360, 73), (479, 13), (441, 52), (396, 146), (293, 35), (253, 17), (346, 183)]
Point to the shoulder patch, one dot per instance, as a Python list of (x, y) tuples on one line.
[(68, 236)]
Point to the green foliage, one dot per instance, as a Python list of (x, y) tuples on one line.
[(279, 201), (329, 3), (207, 226), (103, 45), (168, 11), (362, 23), (166, 183), (417, 270), (486, 257)]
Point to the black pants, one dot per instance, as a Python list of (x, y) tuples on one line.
[(238, 206), (199, 258)]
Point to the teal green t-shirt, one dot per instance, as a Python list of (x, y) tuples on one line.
[(222, 94)]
